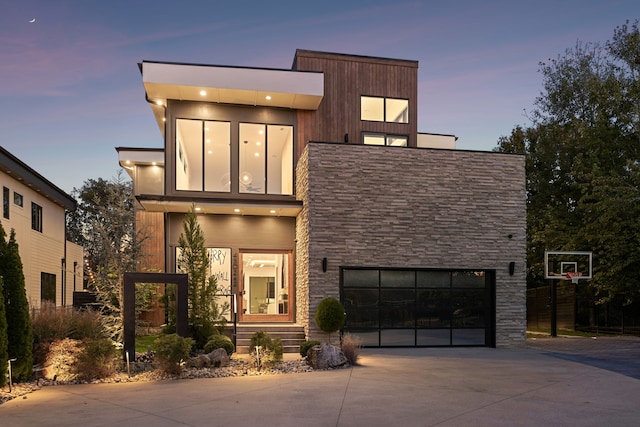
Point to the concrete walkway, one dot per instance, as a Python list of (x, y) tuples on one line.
[(392, 387)]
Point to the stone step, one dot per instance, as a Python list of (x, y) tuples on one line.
[(292, 336)]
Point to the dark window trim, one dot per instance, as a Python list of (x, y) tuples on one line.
[(384, 109), (36, 217), (6, 193)]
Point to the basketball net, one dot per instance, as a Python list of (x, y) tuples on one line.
[(574, 276)]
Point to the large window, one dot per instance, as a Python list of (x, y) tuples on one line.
[(379, 109), (265, 159), (383, 139), (266, 284), (204, 153), (395, 307), (36, 217)]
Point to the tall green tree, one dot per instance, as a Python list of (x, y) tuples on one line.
[(104, 223), (205, 313), (4, 339), (19, 334), (583, 161)]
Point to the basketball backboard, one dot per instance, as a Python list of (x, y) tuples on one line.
[(559, 264)]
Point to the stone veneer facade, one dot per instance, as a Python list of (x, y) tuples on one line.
[(375, 206)]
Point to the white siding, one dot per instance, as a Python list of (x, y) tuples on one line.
[(40, 252)]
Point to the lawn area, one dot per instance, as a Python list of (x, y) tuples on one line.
[(144, 342)]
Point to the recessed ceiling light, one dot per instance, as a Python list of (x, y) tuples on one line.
[(272, 211), (198, 209), (256, 154), (128, 162), (268, 97), (236, 210), (154, 163), (203, 93), (159, 102)]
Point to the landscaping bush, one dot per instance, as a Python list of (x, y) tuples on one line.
[(330, 315), (202, 331), (171, 350), (50, 324), (351, 346), (305, 346), (270, 352), (98, 359), (219, 341)]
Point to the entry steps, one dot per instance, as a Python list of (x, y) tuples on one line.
[(292, 335)]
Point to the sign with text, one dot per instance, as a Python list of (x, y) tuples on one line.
[(219, 266)]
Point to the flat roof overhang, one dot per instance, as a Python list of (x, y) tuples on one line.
[(298, 90), (128, 158), (221, 207)]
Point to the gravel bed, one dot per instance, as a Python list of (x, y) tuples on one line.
[(238, 367)]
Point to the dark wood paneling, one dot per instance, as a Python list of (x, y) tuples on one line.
[(151, 226), (347, 78)]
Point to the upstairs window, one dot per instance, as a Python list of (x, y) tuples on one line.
[(383, 139), (203, 155), (265, 157), (5, 202), (36, 217), (377, 109), (18, 199), (262, 156)]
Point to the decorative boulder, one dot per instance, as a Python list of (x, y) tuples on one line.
[(326, 356), (218, 358)]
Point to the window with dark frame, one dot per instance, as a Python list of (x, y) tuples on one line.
[(18, 200), (369, 138), (36, 217), (381, 109), (5, 202), (48, 287)]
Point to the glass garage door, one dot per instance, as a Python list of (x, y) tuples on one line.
[(419, 308)]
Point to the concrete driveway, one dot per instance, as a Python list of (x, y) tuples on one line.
[(404, 387)]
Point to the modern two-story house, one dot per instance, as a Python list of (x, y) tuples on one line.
[(36, 209), (314, 182)]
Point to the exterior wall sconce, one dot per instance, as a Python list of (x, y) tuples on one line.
[(324, 264)]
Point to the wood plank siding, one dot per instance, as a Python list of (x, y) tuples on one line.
[(347, 78), (151, 225)]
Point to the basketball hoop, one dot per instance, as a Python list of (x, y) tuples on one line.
[(574, 276)]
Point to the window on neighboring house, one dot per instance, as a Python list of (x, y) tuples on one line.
[(36, 217), (382, 139), (265, 158), (5, 202), (48, 287), (203, 155), (377, 109), (17, 199)]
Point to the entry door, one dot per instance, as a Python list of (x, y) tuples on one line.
[(266, 286)]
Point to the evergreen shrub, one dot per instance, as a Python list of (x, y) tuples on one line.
[(171, 350), (219, 341), (330, 315), (305, 346)]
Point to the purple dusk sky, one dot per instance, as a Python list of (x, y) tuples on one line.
[(70, 89)]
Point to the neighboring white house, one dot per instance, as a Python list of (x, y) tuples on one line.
[(36, 209)]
